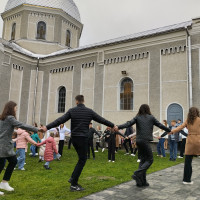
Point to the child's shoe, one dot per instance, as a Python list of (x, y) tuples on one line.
[(1, 193), (47, 167)]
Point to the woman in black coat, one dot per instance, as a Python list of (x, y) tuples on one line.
[(145, 122)]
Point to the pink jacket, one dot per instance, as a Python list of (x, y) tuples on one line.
[(22, 139), (50, 148)]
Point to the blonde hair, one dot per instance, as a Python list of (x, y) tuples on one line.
[(52, 134)]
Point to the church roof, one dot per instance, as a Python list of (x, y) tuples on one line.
[(135, 36), (67, 6)]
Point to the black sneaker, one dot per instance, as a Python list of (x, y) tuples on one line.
[(146, 184), (74, 188), (40, 160)]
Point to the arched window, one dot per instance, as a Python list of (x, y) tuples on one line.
[(41, 30), (13, 31), (126, 94), (68, 38), (61, 100)]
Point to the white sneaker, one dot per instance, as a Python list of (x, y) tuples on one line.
[(30, 154), (126, 154), (138, 160), (180, 157), (132, 154), (109, 161), (103, 149), (6, 186), (36, 154), (22, 169), (188, 183), (1, 193), (24, 163), (113, 161), (96, 151)]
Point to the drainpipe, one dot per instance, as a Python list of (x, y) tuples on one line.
[(189, 52), (35, 91)]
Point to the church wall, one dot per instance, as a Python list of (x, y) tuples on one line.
[(174, 81), (8, 22), (74, 34), (138, 71), (33, 20)]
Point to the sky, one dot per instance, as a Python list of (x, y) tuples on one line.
[(108, 19)]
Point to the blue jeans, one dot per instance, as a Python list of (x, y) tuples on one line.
[(47, 163), (160, 147), (173, 149), (33, 150), (21, 158)]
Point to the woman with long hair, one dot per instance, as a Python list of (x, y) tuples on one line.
[(192, 147), (145, 122), (7, 124)]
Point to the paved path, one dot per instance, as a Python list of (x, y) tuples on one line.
[(164, 184)]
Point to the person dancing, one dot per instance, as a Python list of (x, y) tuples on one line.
[(145, 122), (81, 117), (7, 124), (192, 147)]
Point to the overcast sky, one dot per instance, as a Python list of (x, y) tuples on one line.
[(106, 19)]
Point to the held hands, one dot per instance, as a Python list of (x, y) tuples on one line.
[(116, 129)]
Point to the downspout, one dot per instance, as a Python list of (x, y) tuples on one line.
[(189, 52), (35, 91)]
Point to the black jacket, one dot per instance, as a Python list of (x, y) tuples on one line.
[(129, 131), (112, 135), (91, 133), (81, 117), (144, 126)]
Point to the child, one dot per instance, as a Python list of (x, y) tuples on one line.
[(50, 148), (173, 142), (36, 138), (57, 140), (111, 142), (98, 139), (21, 145), (43, 137)]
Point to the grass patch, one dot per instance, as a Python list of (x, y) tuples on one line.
[(38, 183)]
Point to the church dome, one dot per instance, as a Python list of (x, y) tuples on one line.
[(67, 6)]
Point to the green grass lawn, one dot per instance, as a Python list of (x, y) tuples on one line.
[(38, 183)]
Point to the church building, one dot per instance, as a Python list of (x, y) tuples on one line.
[(43, 68)]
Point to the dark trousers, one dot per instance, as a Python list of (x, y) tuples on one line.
[(187, 168), (90, 145), (135, 151), (182, 149), (98, 146), (12, 161), (146, 157), (130, 145), (69, 143), (81, 146), (61, 146), (111, 149)]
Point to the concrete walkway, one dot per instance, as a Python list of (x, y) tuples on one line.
[(164, 184)]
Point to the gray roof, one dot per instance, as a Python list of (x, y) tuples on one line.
[(135, 36), (67, 6)]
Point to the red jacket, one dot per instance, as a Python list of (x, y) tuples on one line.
[(50, 148)]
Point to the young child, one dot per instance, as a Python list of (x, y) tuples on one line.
[(21, 145), (36, 138), (43, 137), (49, 150), (111, 142)]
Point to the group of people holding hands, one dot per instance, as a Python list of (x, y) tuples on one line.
[(81, 117)]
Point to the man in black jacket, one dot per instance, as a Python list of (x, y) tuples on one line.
[(81, 117), (91, 133)]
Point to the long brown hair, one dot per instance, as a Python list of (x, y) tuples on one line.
[(165, 122), (144, 110), (8, 110), (192, 115)]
